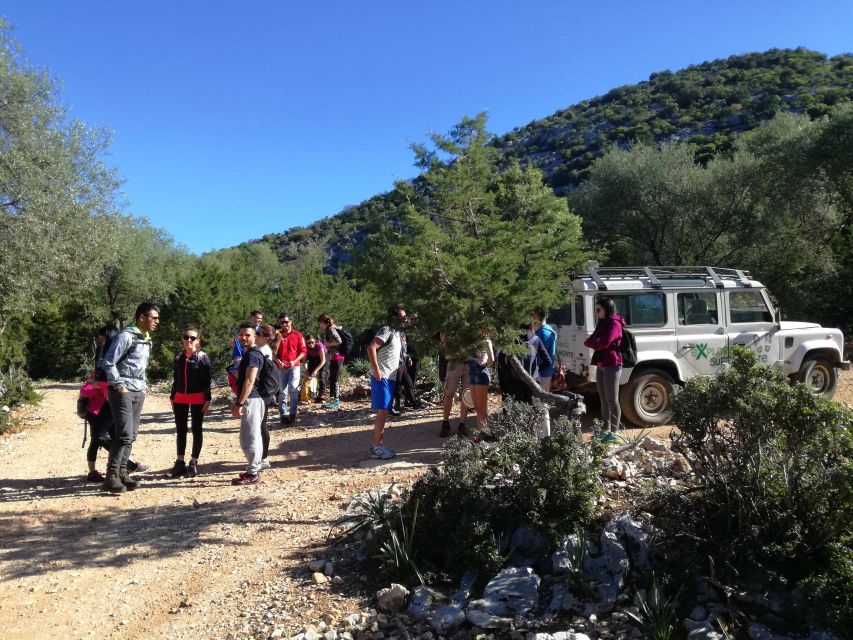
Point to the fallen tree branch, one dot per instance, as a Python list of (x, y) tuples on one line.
[(571, 404)]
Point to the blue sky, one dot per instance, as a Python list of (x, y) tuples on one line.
[(232, 120)]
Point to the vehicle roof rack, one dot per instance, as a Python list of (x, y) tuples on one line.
[(657, 275)]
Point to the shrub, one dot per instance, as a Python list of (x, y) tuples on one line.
[(359, 367), (470, 507), (15, 389), (774, 505)]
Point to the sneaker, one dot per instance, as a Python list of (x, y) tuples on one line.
[(288, 420), (394, 412), (179, 469), (462, 431), (265, 464), (137, 467), (192, 469), (445, 429), (382, 452), (95, 476), (608, 437), (246, 478), (334, 404), (282, 420)]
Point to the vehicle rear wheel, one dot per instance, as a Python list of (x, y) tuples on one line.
[(645, 399), (819, 375)]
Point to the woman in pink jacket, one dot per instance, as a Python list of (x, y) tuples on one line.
[(605, 342)]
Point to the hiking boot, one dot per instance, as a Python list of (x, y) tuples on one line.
[(445, 429), (113, 483), (95, 476), (382, 452), (334, 404), (477, 438), (126, 480), (265, 464), (179, 469), (246, 478), (462, 431), (192, 469), (137, 467), (282, 420)]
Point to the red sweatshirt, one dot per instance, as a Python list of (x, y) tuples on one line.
[(606, 340)]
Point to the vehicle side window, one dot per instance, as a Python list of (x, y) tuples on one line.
[(641, 309), (748, 306), (580, 316), (561, 316), (697, 308)]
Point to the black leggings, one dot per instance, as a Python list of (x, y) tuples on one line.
[(265, 430), (182, 414), (100, 431), (334, 374), (405, 387)]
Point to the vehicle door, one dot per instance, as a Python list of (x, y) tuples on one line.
[(571, 333), (703, 344), (750, 323)]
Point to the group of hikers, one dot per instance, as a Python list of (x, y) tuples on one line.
[(267, 367)]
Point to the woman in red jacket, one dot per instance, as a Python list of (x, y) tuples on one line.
[(605, 342), (190, 395)]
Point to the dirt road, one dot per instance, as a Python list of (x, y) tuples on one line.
[(186, 558)]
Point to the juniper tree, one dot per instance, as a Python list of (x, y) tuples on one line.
[(476, 245)]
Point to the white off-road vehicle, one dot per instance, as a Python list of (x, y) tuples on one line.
[(685, 320)]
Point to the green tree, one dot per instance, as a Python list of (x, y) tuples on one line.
[(53, 187), (474, 249)]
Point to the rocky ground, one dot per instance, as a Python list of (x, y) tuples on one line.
[(202, 559)]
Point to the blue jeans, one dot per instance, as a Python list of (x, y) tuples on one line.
[(288, 380)]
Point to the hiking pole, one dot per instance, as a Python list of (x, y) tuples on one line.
[(85, 433)]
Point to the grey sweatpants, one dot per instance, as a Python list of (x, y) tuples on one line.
[(607, 381), (250, 433), (127, 413)]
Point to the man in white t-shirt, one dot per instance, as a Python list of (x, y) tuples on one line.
[(384, 353)]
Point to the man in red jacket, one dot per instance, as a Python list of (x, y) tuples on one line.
[(291, 352)]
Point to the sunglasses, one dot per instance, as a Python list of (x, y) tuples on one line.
[(190, 338), (285, 321)]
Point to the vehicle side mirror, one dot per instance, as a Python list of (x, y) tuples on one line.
[(777, 316)]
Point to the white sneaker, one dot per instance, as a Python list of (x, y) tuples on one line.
[(265, 464), (382, 452)]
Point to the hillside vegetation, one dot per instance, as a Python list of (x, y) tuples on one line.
[(705, 105)]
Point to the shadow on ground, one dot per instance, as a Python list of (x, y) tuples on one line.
[(45, 540)]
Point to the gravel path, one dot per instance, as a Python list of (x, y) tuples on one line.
[(180, 558)]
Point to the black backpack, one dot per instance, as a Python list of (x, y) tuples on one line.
[(628, 349), (267, 382), (347, 343)]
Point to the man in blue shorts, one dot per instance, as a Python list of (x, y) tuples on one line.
[(384, 353)]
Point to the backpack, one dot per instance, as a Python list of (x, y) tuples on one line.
[(347, 343), (267, 382), (628, 349)]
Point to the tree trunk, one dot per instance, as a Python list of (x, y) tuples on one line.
[(571, 404)]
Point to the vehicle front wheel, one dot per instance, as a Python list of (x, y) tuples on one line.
[(819, 375), (645, 399)]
